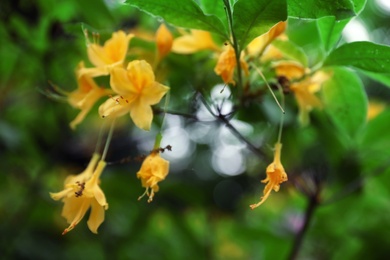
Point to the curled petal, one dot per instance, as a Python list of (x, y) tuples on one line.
[(96, 216)]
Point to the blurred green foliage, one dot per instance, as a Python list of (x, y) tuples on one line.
[(198, 214)]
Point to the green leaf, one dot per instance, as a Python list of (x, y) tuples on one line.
[(330, 30), (377, 135), (309, 9), (304, 33), (345, 100), (367, 56), (292, 51), (252, 18), (183, 13), (216, 8), (383, 78)]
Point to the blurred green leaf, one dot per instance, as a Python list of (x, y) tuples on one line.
[(305, 34), (292, 51), (377, 134), (345, 101), (362, 55), (340, 9), (252, 18), (330, 30), (184, 13), (383, 78)]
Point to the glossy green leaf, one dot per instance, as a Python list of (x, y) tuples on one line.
[(309, 9), (330, 30), (183, 13), (252, 18), (345, 100), (292, 51), (367, 56), (216, 8)]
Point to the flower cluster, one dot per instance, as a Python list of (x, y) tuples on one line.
[(135, 85), (133, 90)]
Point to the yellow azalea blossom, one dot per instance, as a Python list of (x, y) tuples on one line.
[(153, 170), (275, 176), (82, 192), (110, 55), (164, 41), (258, 45), (85, 96), (304, 88), (226, 65), (196, 41), (137, 90), (305, 94)]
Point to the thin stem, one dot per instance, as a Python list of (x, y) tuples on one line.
[(269, 88), (100, 138), (109, 137), (309, 213), (282, 116), (236, 48)]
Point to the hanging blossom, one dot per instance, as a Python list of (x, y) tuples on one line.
[(153, 170), (137, 91), (110, 55), (85, 96), (275, 176), (82, 192), (304, 85)]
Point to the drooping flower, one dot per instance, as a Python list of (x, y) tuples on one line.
[(227, 64), (153, 170), (110, 55), (85, 96), (82, 192), (137, 91), (164, 41), (275, 176), (304, 86)]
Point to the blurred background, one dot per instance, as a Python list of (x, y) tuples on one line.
[(335, 206)]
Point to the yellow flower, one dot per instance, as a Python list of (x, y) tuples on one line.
[(153, 170), (275, 176), (227, 64), (85, 96), (304, 88), (305, 94), (164, 41), (82, 192), (108, 56), (137, 90), (196, 41), (258, 45)]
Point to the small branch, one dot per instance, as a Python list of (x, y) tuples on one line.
[(312, 205)]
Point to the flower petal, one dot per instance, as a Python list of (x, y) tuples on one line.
[(141, 114), (114, 107), (140, 74), (96, 216), (152, 94), (121, 83)]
